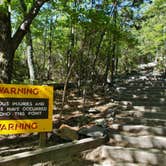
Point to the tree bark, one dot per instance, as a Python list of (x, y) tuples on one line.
[(42, 76), (114, 41), (98, 50), (24, 26), (9, 44), (108, 64), (65, 88), (6, 49), (49, 72), (30, 57), (29, 44)]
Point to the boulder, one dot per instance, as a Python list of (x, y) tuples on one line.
[(93, 111), (67, 132), (101, 122), (94, 131)]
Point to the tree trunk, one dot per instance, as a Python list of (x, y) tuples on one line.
[(114, 42), (116, 65), (6, 66), (30, 57), (108, 64), (98, 51), (29, 46), (65, 88), (9, 43), (71, 47), (113, 59), (49, 74), (44, 52), (6, 49)]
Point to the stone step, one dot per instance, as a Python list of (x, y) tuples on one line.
[(140, 96), (139, 92), (141, 121), (111, 163), (146, 142), (138, 80), (141, 100), (137, 114), (142, 90), (112, 155), (139, 129), (146, 94), (128, 164), (145, 103), (156, 115), (136, 97), (142, 83), (148, 108), (128, 87)]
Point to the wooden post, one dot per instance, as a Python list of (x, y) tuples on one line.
[(42, 139)]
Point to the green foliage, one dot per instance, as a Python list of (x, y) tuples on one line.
[(74, 30), (20, 73), (153, 33), (4, 6)]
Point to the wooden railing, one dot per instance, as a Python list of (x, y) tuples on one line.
[(53, 153)]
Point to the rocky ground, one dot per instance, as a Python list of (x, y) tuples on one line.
[(132, 113), (75, 118)]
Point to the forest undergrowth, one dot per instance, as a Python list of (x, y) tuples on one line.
[(75, 114)]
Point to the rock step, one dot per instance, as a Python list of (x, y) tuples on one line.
[(112, 155), (141, 96), (142, 121), (145, 142), (145, 103), (144, 84), (148, 94), (128, 164), (145, 88), (136, 97), (141, 90), (148, 108), (160, 100), (152, 115), (140, 129), (138, 85), (137, 93), (109, 163), (136, 80)]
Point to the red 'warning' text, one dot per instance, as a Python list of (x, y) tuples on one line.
[(19, 91), (18, 126)]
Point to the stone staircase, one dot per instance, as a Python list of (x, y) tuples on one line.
[(138, 135)]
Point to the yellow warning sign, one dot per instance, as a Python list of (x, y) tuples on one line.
[(25, 108)]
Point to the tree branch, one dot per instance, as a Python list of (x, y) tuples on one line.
[(24, 26)]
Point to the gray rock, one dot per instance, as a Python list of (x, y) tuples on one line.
[(101, 122), (93, 110), (110, 113), (94, 131)]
